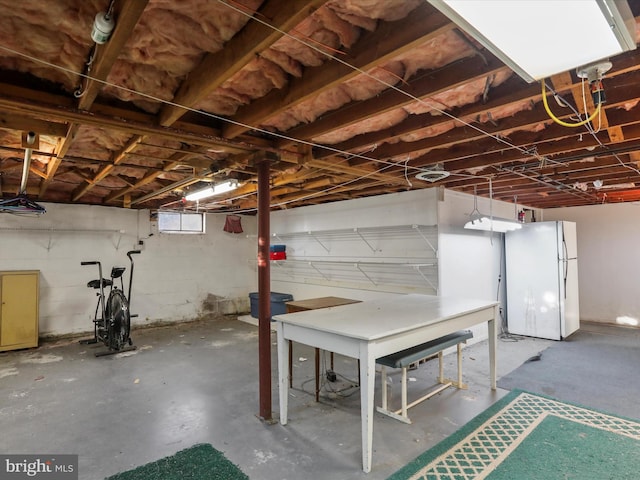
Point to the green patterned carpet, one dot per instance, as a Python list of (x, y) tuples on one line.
[(200, 462), (526, 436)]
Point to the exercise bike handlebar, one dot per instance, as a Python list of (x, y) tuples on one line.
[(129, 253)]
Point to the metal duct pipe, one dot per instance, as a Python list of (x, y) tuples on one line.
[(31, 139)]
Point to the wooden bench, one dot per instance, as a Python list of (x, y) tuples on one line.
[(405, 358)]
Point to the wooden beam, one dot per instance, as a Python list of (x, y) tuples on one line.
[(218, 67), (511, 92), (177, 160), (359, 171), (122, 121), (424, 86), (127, 14), (389, 40), (15, 121), (107, 169), (61, 150)]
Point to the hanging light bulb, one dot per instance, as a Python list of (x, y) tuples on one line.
[(103, 25)]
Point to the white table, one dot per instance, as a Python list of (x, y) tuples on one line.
[(376, 328)]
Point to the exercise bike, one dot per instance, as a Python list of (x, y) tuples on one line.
[(112, 318)]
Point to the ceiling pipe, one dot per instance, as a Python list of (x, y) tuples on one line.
[(30, 140)]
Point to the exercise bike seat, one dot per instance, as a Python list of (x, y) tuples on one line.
[(96, 283)]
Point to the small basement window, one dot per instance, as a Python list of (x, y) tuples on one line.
[(181, 222)]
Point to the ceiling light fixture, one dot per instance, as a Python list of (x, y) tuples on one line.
[(492, 224), (212, 190), (432, 175), (489, 223), (522, 33), (615, 186), (103, 25)]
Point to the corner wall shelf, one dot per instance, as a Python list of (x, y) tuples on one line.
[(398, 255), (51, 231)]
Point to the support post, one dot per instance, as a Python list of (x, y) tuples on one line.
[(264, 291)]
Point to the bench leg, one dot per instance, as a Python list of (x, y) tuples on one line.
[(458, 382), (384, 408), (404, 393), (459, 364), (402, 413)]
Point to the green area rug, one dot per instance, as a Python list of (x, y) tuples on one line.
[(200, 462), (530, 437)]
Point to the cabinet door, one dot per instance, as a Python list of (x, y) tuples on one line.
[(19, 314)]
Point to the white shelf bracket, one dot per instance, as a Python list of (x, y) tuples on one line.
[(424, 277), (318, 240), (364, 240), (119, 239), (318, 270), (364, 273), (417, 229)]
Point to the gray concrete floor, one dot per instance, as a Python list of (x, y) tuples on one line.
[(198, 382)]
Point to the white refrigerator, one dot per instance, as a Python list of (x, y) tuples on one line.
[(542, 280)]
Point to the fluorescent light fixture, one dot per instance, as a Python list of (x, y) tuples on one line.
[(492, 224), (212, 190), (539, 38)]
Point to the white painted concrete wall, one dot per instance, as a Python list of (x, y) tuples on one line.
[(472, 262), (608, 259), (407, 208), (177, 277)]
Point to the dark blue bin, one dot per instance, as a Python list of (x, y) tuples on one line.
[(278, 300)]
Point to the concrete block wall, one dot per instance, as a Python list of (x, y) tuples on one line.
[(177, 277)]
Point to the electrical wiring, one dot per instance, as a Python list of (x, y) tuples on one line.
[(406, 173), (594, 134), (389, 85), (304, 197), (210, 115), (584, 106), (338, 390), (283, 136), (562, 122)]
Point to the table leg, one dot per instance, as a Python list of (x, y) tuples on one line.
[(367, 384), (290, 364), (491, 325), (317, 374), (283, 373)]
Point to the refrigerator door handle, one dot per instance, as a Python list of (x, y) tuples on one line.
[(565, 261)]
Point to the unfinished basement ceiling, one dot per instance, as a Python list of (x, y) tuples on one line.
[(345, 98)]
